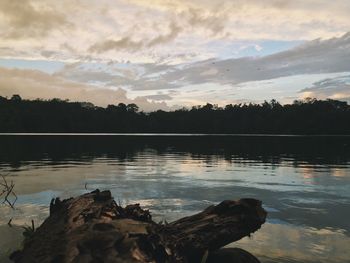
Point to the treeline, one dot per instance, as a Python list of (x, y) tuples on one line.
[(308, 116)]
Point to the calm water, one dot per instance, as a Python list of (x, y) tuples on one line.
[(304, 183)]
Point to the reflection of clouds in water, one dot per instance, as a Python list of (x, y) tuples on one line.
[(173, 183), (340, 172), (307, 173), (23, 214), (326, 177), (10, 240), (11, 237), (289, 243), (65, 179), (170, 209)]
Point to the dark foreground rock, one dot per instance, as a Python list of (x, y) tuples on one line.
[(93, 228)]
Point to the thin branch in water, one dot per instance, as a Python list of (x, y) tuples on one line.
[(119, 202), (28, 232), (7, 191), (205, 256)]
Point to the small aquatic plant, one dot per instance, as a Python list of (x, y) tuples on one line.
[(28, 232)]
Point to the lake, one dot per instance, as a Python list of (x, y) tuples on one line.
[(303, 181)]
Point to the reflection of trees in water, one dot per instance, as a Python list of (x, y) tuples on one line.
[(53, 150)]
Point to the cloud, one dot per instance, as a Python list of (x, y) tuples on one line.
[(332, 88), (227, 80), (37, 29), (214, 21), (256, 19), (123, 43), (27, 19), (126, 75), (173, 44), (174, 30), (158, 97), (32, 84), (131, 45), (314, 57)]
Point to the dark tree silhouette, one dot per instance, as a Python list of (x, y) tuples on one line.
[(309, 116), (132, 107), (16, 97)]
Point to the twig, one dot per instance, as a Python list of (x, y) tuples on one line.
[(119, 202), (205, 256), (7, 191)]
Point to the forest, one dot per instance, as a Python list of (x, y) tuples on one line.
[(308, 116)]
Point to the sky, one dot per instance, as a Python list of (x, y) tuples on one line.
[(166, 54)]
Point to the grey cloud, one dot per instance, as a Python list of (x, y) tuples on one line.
[(23, 19), (32, 84), (50, 54), (142, 84), (336, 88), (123, 43), (127, 43), (174, 30), (68, 47), (215, 21), (195, 17), (314, 57), (158, 97), (10, 52), (73, 72), (173, 92), (136, 76)]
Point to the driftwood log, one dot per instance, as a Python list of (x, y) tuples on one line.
[(93, 228)]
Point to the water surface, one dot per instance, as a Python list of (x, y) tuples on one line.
[(303, 181)]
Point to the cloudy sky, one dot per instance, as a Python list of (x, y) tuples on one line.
[(163, 54)]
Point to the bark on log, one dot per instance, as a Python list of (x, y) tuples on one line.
[(93, 228)]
